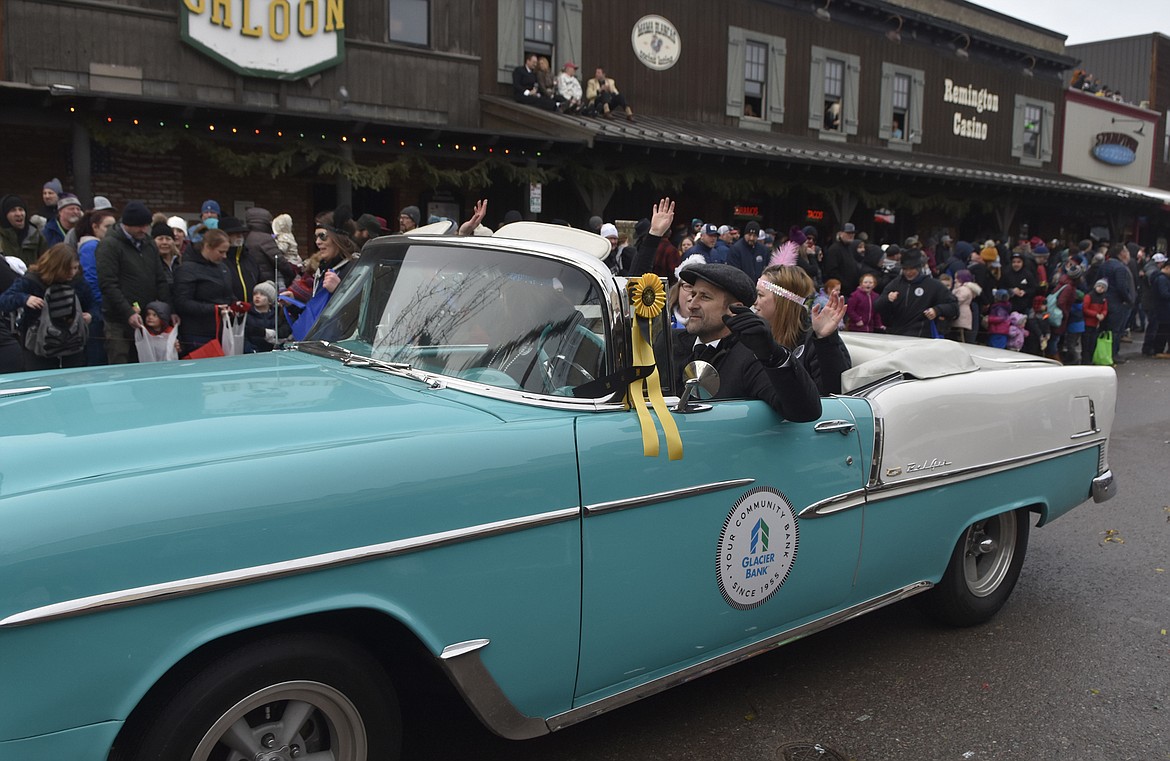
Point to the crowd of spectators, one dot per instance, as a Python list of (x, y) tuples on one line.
[(534, 84), (124, 274), (1087, 82), (83, 287)]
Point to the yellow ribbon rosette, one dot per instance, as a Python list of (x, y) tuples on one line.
[(647, 299)]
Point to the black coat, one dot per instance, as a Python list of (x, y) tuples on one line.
[(839, 263), (750, 259), (129, 275), (788, 390), (904, 315), (200, 286)]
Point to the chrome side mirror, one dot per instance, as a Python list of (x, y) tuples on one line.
[(701, 382)]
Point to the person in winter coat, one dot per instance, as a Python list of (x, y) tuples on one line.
[(1096, 309), (959, 259), (861, 314), (1065, 289), (967, 292), (1148, 297), (748, 254), (839, 261), (93, 229), (57, 266), (17, 237), (203, 291), (782, 295), (130, 274), (282, 226), (1020, 282), (263, 249), (911, 302), (1017, 333), (1160, 285), (999, 319)]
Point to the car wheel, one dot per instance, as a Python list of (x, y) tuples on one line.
[(294, 696), (982, 572)]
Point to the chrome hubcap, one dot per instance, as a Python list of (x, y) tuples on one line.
[(990, 546)]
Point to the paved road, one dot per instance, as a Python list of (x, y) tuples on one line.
[(1076, 667)]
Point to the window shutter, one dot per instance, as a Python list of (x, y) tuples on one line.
[(736, 56), (777, 51), (885, 121), (917, 103), (852, 91), (568, 33), (816, 90), (1018, 129), (1046, 132), (509, 38)]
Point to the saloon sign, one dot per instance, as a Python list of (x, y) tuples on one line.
[(281, 39)]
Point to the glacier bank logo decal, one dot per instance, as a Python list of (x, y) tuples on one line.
[(757, 548)]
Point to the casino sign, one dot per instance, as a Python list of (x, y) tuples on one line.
[(279, 39)]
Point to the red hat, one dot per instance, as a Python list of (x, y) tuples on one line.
[(568, 64)]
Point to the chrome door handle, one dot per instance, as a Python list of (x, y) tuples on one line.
[(843, 427)]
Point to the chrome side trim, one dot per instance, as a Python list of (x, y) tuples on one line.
[(4, 394), (834, 504), (589, 710), (471, 678), (879, 443), (888, 490), (462, 648), (664, 496), (199, 584), (1104, 487)]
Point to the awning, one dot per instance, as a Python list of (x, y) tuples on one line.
[(1156, 195)]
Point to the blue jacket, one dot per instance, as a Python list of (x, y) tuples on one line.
[(750, 259)]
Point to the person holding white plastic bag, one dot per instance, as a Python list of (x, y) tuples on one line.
[(203, 293), (158, 338)]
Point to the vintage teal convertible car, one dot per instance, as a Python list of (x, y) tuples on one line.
[(240, 558)]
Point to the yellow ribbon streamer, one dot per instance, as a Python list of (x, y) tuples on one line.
[(648, 297)]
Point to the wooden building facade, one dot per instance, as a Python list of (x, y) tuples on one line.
[(939, 113)]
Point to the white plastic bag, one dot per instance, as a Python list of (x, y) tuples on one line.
[(233, 333), (160, 348)]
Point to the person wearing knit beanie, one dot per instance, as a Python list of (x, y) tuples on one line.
[(136, 215), (989, 254)]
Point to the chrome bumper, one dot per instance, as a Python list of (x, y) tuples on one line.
[(1104, 487)]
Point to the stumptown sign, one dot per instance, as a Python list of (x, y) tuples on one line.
[(282, 39)]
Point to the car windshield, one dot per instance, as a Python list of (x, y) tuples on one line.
[(507, 319)]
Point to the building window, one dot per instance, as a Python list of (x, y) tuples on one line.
[(545, 27), (540, 26), (1032, 131), (834, 93), (410, 22), (901, 107), (1033, 120), (755, 78), (834, 86), (902, 96)]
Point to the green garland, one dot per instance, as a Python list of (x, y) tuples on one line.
[(327, 162)]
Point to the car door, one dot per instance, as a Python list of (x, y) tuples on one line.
[(683, 559)]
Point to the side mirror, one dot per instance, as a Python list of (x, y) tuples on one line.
[(701, 382)]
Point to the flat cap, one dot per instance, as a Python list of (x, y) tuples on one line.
[(731, 279)]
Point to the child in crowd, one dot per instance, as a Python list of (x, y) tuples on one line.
[(967, 292), (1016, 331), (157, 319), (860, 315), (285, 240), (999, 319), (262, 316), (1096, 309)]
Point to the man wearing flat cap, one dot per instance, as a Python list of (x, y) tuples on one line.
[(914, 300), (722, 330)]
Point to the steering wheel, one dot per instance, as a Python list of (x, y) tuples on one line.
[(552, 362), (548, 363)]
